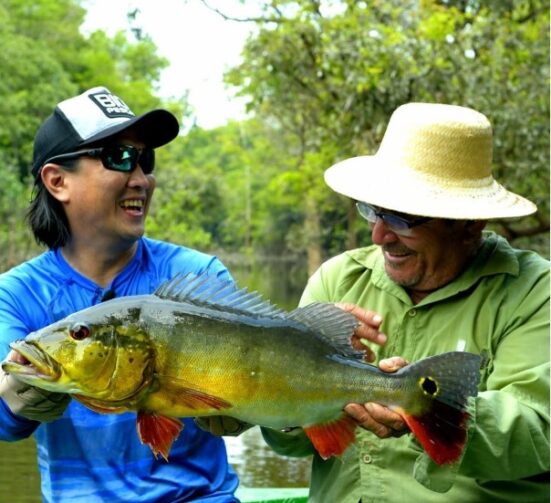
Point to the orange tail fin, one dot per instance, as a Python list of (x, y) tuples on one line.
[(444, 384), (442, 432)]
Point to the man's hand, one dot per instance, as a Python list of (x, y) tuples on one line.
[(375, 417), (222, 425), (30, 402), (367, 331)]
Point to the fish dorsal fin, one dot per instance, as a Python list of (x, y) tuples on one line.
[(222, 295), (334, 325)]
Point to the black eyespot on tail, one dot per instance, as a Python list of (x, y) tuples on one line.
[(446, 382)]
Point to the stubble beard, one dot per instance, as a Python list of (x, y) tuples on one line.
[(406, 282)]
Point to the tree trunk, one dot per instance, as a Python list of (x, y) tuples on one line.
[(312, 235)]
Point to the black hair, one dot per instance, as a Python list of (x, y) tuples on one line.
[(46, 215)]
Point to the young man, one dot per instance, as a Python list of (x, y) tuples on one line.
[(435, 282), (93, 165)]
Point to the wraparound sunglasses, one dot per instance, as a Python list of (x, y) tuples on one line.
[(399, 224), (123, 158)]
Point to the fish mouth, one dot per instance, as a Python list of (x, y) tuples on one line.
[(30, 362)]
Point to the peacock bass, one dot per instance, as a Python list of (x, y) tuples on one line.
[(199, 346)]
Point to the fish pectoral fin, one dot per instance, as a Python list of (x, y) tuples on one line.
[(158, 432), (197, 400), (183, 393), (332, 438)]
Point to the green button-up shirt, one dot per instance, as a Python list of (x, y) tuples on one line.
[(498, 307)]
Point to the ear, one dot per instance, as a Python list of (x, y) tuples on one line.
[(54, 178)]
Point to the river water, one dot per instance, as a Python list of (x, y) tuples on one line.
[(281, 281)]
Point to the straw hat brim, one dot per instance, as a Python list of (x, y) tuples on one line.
[(399, 188)]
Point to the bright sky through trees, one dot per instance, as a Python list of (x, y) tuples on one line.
[(198, 42)]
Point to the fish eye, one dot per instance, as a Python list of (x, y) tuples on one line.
[(79, 331)]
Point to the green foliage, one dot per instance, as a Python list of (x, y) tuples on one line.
[(187, 193), (215, 189), (31, 72), (15, 237), (44, 59), (322, 78), (331, 74), (127, 68)]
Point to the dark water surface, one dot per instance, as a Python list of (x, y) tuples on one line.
[(281, 281), (19, 481)]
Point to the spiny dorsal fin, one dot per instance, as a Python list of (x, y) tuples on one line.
[(222, 295), (328, 322), (334, 325)]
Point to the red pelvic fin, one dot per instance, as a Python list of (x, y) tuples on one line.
[(332, 439), (442, 431), (159, 432)]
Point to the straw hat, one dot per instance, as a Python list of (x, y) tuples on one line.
[(435, 161)]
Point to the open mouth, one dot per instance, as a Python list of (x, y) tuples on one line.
[(397, 256), (30, 361), (134, 206)]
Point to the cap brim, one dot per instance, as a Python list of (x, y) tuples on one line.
[(154, 129), (368, 179)]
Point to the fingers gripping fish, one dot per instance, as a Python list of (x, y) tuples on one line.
[(199, 346)]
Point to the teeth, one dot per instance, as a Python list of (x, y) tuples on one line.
[(132, 203)]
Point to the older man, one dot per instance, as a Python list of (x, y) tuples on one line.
[(434, 281)]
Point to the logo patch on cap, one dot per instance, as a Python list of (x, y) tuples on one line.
[(111, 105)]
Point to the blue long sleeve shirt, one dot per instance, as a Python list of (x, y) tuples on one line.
[(89, 457)]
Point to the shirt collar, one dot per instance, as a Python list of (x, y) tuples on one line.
[(83, 281)]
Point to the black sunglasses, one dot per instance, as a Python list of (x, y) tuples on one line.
[(123, 158), (396, 223)]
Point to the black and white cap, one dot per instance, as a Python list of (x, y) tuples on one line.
[(92, 117)]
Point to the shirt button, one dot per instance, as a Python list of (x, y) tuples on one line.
[(412, 312), (366, 458)]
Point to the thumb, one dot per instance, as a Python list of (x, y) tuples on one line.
[(392, 364)]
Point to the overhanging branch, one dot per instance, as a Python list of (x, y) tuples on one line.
[(254, 19)]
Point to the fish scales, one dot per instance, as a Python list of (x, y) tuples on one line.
[(201, 347), (248, 364)]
